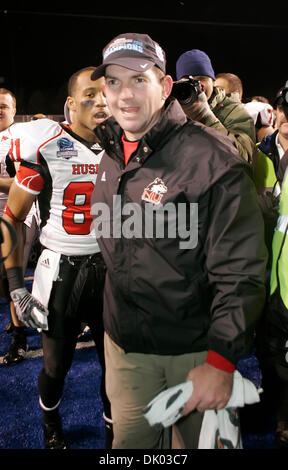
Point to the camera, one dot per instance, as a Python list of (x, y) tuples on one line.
[(186, 90)]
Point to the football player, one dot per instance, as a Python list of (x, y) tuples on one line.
[(59, 166), (18, 347)]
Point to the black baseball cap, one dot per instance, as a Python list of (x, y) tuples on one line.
[(134, 51)]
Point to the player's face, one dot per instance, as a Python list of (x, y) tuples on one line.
[(88, 103), (7, 111), (135, 99)]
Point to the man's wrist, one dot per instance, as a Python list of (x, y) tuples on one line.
[(15, 278), (220, 362)]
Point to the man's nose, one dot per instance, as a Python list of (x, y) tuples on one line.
[(126, 92), (101, 101)]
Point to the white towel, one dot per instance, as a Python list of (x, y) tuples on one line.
[(220, 429), (46, 272)]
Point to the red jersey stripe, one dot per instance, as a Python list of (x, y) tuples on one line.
[(44, 143)]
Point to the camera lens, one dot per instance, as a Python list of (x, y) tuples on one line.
[(184, 92)]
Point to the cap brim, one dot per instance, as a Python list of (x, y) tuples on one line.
[(132, 63), (98, 72)]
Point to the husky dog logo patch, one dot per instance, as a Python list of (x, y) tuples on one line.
[(154, 191)]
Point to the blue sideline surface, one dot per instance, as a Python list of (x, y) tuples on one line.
[(81, 407)]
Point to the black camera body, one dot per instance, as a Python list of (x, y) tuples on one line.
[(186, 90)]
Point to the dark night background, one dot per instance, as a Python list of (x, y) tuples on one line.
[(42, 45)]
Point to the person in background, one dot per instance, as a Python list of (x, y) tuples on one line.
[(260, 99), (38, 116), (213, 107), (59, 166), (270, 164), (172, 311), (272, 346), (263, 116), (230, 82), (18, 347)]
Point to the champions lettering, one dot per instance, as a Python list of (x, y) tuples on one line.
[(85, 169), (132, 46)]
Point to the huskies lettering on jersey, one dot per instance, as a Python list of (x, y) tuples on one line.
[(85, 169), (66, 148)]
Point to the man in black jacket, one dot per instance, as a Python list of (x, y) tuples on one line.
[(177, 220)]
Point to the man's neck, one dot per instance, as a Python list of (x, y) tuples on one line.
[(283, 141), (83, 132)]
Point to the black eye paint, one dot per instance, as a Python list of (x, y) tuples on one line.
[(88, 103)]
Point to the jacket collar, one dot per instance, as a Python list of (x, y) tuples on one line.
[(172, 119)]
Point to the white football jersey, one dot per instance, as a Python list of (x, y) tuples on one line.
[(61, 169), (5, 143)]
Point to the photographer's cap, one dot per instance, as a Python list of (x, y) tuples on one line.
[(134, 51), (194, 62)]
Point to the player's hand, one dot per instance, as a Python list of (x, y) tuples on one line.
[(212, 388), (29, 310)]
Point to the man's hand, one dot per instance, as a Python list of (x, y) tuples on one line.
[(200, 110), (212, 388), (29, 310)]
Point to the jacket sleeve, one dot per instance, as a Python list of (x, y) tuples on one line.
[(235, 122), (236, 262), (242, 141)]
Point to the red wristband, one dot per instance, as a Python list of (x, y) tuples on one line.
[(10, 214), (218, 361)]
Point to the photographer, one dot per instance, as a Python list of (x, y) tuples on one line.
[(213, 107)]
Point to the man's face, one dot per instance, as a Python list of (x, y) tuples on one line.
[(221, 82), (88, 104), (207, 84), (7, 111), (135, 99), (281, 122)]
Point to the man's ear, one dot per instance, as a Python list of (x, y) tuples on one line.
[(71, 103), (167, 86)]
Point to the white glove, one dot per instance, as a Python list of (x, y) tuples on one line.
[(200, 110), (165, 409), (29, 310)]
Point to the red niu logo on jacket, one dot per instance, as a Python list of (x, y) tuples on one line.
[(154, 191)]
